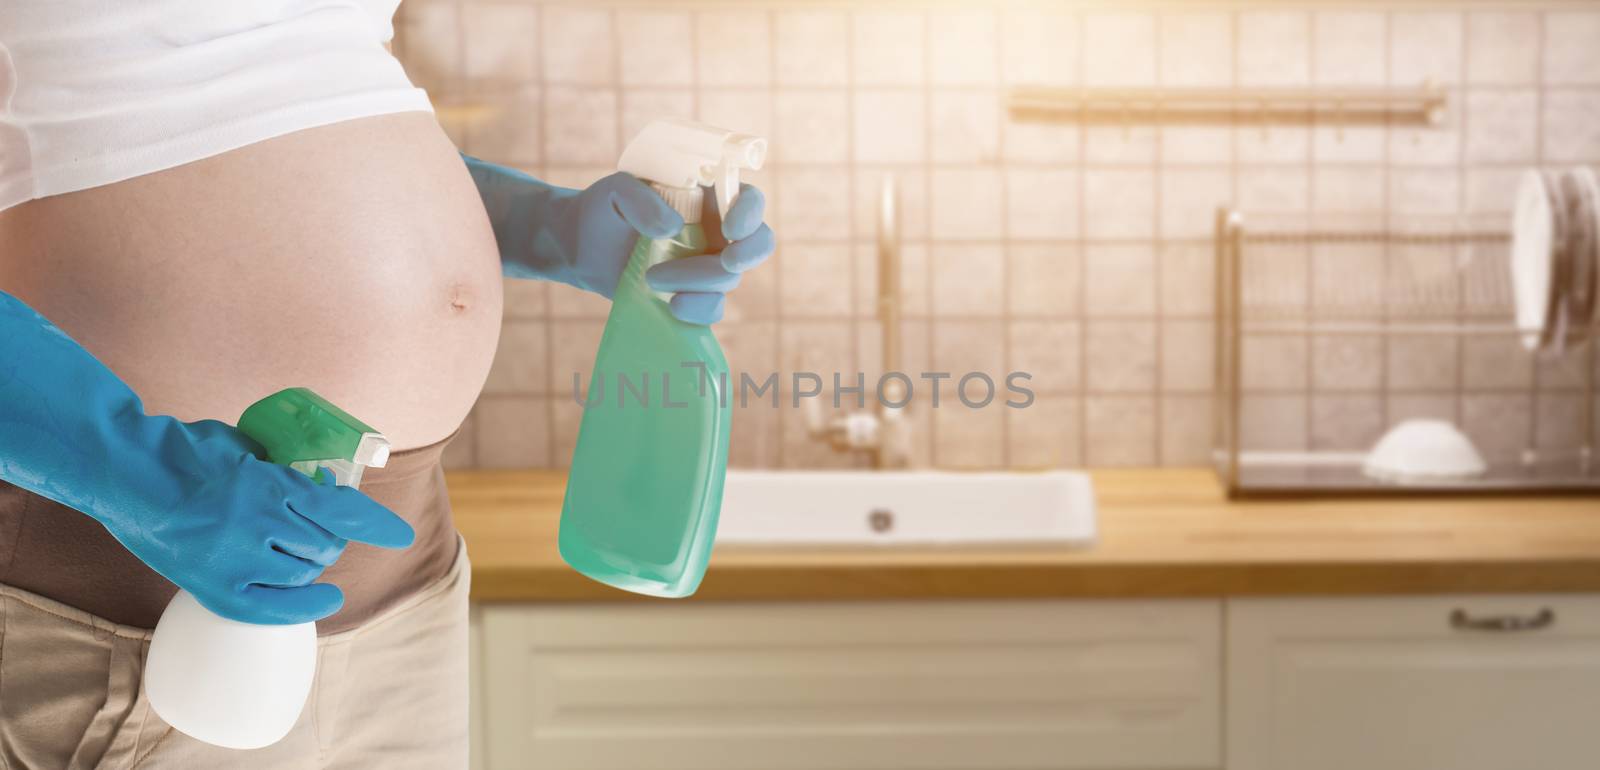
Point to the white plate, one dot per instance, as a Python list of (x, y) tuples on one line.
[(1535, 232)]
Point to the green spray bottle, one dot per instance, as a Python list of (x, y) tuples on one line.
[(646, 481), (242, 685)]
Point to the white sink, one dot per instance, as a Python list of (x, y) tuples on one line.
[(848, 508)]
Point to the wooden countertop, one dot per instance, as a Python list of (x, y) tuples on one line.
[(1163, 532)]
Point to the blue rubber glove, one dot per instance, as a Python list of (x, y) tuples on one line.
[(584, 238), (194, 501)]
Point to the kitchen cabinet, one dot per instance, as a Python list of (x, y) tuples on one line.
[(1414, 683), (861, 685)]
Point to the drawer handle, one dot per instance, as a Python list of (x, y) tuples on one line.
[(1544, 618)]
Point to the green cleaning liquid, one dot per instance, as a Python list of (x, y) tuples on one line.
[(646, 481)]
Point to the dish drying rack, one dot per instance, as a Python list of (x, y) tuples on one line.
[(1383, 277)]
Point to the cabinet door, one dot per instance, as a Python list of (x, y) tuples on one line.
[(1414, 683), (864, 686)]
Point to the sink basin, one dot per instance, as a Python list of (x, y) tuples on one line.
[(849, 508)]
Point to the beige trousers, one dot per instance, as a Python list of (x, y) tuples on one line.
[(391, 693)]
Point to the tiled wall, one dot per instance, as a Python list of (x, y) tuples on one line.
[(1080, 254)]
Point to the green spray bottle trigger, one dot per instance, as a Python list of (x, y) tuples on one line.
[(306, 432)]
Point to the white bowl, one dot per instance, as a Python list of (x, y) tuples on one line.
[(1423, 450)]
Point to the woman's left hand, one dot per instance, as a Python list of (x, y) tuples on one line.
[(584, 238), (700, 284)]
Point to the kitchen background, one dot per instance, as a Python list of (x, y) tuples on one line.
[(1079, 253)]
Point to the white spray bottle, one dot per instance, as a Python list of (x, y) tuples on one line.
[(243, 685)]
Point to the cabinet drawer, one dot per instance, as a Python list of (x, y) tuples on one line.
[(1457, 682), (903, 685)]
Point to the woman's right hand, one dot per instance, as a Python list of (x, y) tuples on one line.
[(246, 537)]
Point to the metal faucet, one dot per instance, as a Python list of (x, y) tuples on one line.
[(884, 433)]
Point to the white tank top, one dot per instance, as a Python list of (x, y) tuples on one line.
[(97, 91)]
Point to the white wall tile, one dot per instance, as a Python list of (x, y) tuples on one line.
[(1491, 190), (1187, 363), (1559, 422), (521, 361), (1120, 49), (577, 45), (889, 126), (1196, 49), (965, 125), (572, 349), (1350, 189), (745, 110), (1572, 47), (500, 45), (811, 203), (1502, 48), (1273, 362), (813, 276), (1495, 363), (429, 45), (1120, 145), (1274, 188), (1346, 280), (1346, 421), (1039, 142), (1423, 362), (1346, 362), (580, 126), (1348, 144), (967, 278), (640, 106), (1120, 430), (1424, 191), (1277, 277), (969, 439), (1051, 351), (961, 346), (1041, 203), (888, 48), (1572, 126), (1196, 145), (513, 432), (509, 132), (1350, 48), (963, 44), (732, 48), (1044, 278), (528, 300), (1274, 423), (813, 48), (1120, 356), (1499, 425), (1119, 203), (1502, 126), (1256, 143), (1274, 48), (1421, 406), (812, 127), (1119, 279), (651, 49), (1047, 433), (1185, 430), (1188, 285), (1425, 46), (965, 204), (1189, 200), (1041, 46)]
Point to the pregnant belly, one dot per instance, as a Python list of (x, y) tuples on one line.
[(354, 259)]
